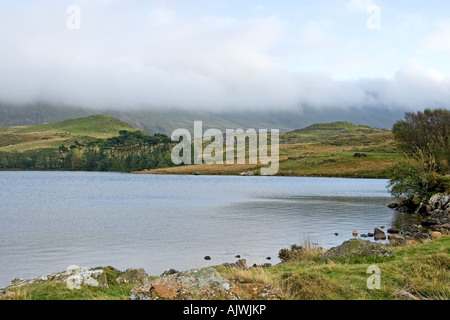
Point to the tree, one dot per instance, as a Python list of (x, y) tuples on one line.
[(424, 139)]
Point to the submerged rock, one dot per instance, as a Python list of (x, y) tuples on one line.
[(357, 248)]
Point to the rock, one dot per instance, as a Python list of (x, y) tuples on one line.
[(268, 258), (237, 256), (336, 234), (240, 264), (169, 272), (393, 230), (355, 233), (363, 235), (396, 237), (75, 277), (405, 294), (379, 234), (195, 284), (207, 258), (370, 234), (87, 277), (203, 284), (359, 155), (357, 248), (393, 205), (429, 222), (133, 276), (7, 295), (439, 201), (436, 235)]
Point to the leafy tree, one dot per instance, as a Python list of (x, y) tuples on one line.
[(424, 139), (424, 136)]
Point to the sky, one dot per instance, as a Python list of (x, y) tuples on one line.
[(226, 54)]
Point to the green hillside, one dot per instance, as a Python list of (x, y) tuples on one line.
[(49, 135), (335, 149)]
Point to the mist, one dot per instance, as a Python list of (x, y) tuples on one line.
[(154, 57)]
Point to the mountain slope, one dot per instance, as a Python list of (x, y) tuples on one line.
[(165, 120), (50, 135)]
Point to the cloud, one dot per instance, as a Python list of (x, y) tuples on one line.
[(439, 39), (157, 56)]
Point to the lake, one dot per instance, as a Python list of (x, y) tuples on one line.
[(50, 220)]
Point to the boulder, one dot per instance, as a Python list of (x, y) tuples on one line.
[(133, 276), (195, 284), (87, 277), (396, 238), (378, 234), (393, 205), (241, 264), (203, 284), (393, 230), (439, 201), (436, 235), (74, 277), (357, 248)]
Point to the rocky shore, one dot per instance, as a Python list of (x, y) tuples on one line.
[(434, 219)]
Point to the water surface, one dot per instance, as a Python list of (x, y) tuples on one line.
[(50, 220)]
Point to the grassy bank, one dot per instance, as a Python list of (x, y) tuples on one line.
[(335, 149), (420, 270)]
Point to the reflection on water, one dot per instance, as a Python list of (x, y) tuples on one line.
[(50, 220)]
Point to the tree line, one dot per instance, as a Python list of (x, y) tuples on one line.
[(129, 151)]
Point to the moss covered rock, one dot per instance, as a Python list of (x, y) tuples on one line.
[(357, 248)]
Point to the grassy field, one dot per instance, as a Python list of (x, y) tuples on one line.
[(52, 135), (419, 269), (325, 149)]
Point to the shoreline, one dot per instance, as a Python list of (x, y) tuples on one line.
[(231, 272)]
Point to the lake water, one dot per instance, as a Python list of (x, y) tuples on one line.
[(50, 220)]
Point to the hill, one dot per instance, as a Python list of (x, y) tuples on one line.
[(335, 149), (51, 135)]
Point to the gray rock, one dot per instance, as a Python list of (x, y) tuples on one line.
[(439, 201), (241, 264), (357, 248), (169, 272), (393, 230), (379, 234), (75, 277), (195, 284), (133, 276)]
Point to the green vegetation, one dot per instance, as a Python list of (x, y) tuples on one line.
[(92, 143), (420, 269), (335, 149), (424, 139)]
